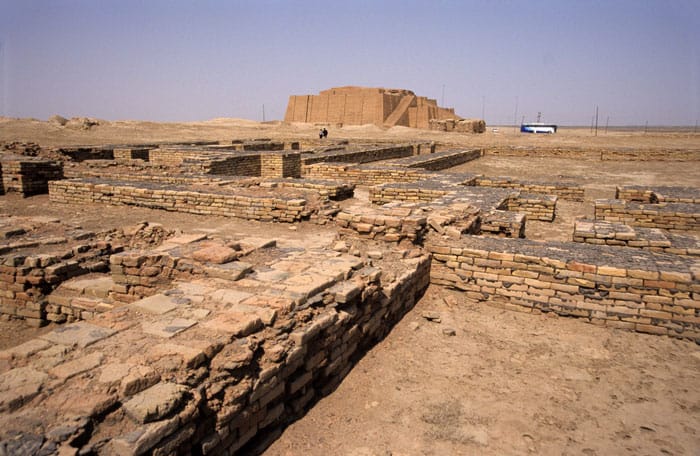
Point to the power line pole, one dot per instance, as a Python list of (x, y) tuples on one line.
[(263, 112), (607, 119), (515, 116), (596, 120)]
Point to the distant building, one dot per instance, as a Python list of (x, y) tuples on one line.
[(362, 105)]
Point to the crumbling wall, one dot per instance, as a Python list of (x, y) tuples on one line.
[(667, 216), (616, 287)]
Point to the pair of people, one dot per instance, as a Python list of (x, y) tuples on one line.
[(322, 133)]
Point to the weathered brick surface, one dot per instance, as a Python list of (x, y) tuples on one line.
[(667, 216), (645, 194), (565, 191), (619, 154), (213, 373), (244, 204), (28, 175), (652, 292)]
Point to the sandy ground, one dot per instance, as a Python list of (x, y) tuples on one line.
[(505, 383)]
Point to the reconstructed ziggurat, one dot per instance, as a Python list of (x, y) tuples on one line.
[(383, 107)]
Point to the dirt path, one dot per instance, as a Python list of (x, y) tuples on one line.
[(507, 383)]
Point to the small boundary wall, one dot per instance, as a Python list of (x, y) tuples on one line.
[(612, 286)]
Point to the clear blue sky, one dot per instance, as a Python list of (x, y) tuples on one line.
[(639, 61)]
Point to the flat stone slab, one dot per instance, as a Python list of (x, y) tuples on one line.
[(217, 254), (98, 287), (156, 304), (238, 324), (167, 328), (79, 334), (25, 350), (77, 366), (155, 402), (230, 297), (19, 385)]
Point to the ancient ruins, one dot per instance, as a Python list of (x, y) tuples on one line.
[(195, 343), (382, 107)]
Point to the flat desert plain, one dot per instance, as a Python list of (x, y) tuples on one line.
[(482, 380)]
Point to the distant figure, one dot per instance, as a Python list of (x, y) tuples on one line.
[(320, 133), (325, 133)]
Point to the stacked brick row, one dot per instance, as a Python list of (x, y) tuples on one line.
[(439, 160), (363, 175), (568, 192), (389, 225), (248, 164), (323, 352), (249, 207), (658, 194), (388, 193), (131, 153), (359, 156), (262, 145), (617, 287), (280, 165), (667, 216), (604, 154), (503, 224), (27, 280), (652, 239), (28, 176), (333, 190), (537, 207)]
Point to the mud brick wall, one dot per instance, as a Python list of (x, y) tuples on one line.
[(359, 156), (605, 154), (29, 176), (245, 206), (280, 165), (390, 226), (324, 351), (363, 175), (613, 286), (414, 192), (333, 190), (652, 239), (439, 160), (568, 192), (537, 207), (131, 153), (247, 164), (79, 153), (27, 280), (503, 224), (667, 216), (210, 392), (261, 145), (658, 194)]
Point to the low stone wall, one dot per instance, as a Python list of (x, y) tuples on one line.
[(280, 165), (565, 191), (334, 190), (27, 280), (363, 174), (537, 207), (621, 154), (211, 372), (131, 153), (613, 286), (27, 175), (667, 216), (383, 224), (263, 144), (652, 239), (646, 194), (359, 156), (425, 191), (503, 224), (250, 206), (439, 160)]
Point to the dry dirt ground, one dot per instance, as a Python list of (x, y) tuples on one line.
[(505, 382)]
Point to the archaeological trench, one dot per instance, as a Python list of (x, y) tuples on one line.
[(194, 343)]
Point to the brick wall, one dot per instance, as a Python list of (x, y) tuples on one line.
[(613, 286), (667, 216), (28, 176)]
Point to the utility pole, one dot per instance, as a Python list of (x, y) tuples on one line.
[(607, 119), (539, 116), (263, 112), (596, 120), (515, 116)]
